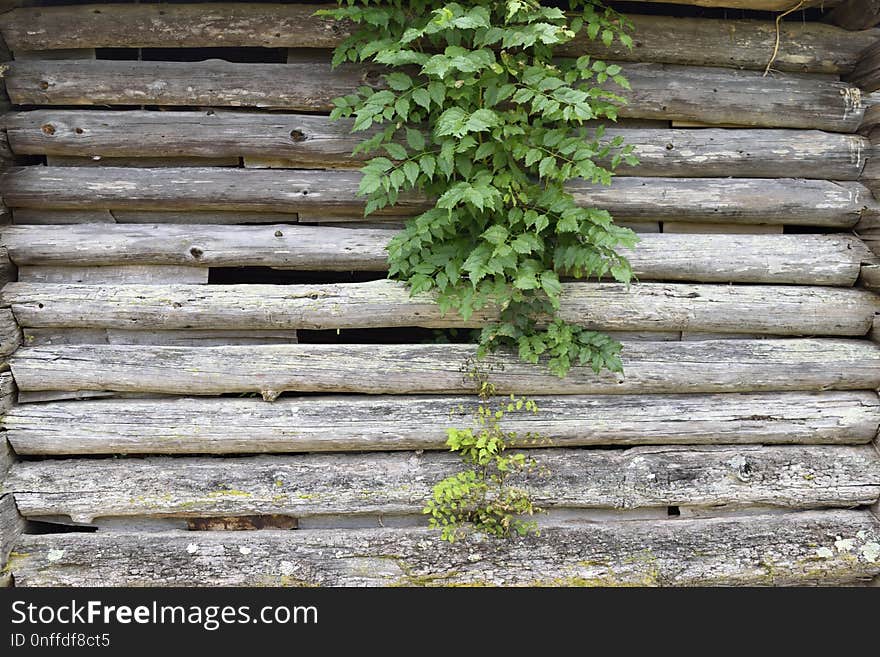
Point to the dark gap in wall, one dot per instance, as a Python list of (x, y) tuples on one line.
[(41, 527), (245, 55), (673, 511), (387, 335), (788, 229), (236, 275)]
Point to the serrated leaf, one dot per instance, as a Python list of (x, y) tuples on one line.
[(420, 97), (415, 139), (396, 151), (411, 171), (399, 81)]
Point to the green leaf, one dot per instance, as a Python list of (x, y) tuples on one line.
[(420, 97), (495, 235), (411, 171), (399, 81), (415, 139), (396, 151)]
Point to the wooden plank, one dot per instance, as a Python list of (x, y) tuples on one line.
[(808, 47), (301, 141), (743, 200), (832, 259), (60, 53), (205, 338), (28, 216), (651, 367), (811, 547), (114, 274), (145, 162), (659, 91), (870, 277), (696, 228), (855, 14), (379, 423), (776, 310), (722, 477)]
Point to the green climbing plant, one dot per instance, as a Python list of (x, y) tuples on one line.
[(483, 495), (485, 111)]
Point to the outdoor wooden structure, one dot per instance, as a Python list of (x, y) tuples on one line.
[(194, 309)]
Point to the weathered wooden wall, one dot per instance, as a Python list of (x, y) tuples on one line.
[(188, 281)]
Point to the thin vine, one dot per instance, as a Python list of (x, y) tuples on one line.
[(478, 114)]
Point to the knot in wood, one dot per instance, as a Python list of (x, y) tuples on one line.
[(196, 252), (278, 233), (297, 135), (48, 129)]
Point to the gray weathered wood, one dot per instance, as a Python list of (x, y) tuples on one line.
[(705, 228), (7, 400), (114, 274), (721, 477), (302, 141), (651, 367), (856, 14), (809, 47), (789, 259), (659, 91), (867, 72), (811, 547), (10, 334), (42, 217), (7, 269), (777, 310), (743, 200), (379, 423), (141, 162), (11, 527), (194, 338)]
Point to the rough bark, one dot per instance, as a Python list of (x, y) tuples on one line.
[(777, 310), (659, 91), (812, 547), (651, 367), (302, 141)]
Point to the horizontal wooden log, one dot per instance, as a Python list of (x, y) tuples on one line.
[(808, 47), (775, 310), (302, 141), (789, 259), (651, 367), (29, 216), (744, 200), (114, 274), (378, 423), (792, 477), (811, 547), (193, 338), (659, 91), (855, 14)]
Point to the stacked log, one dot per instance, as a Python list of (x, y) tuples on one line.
[(190, 281)]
